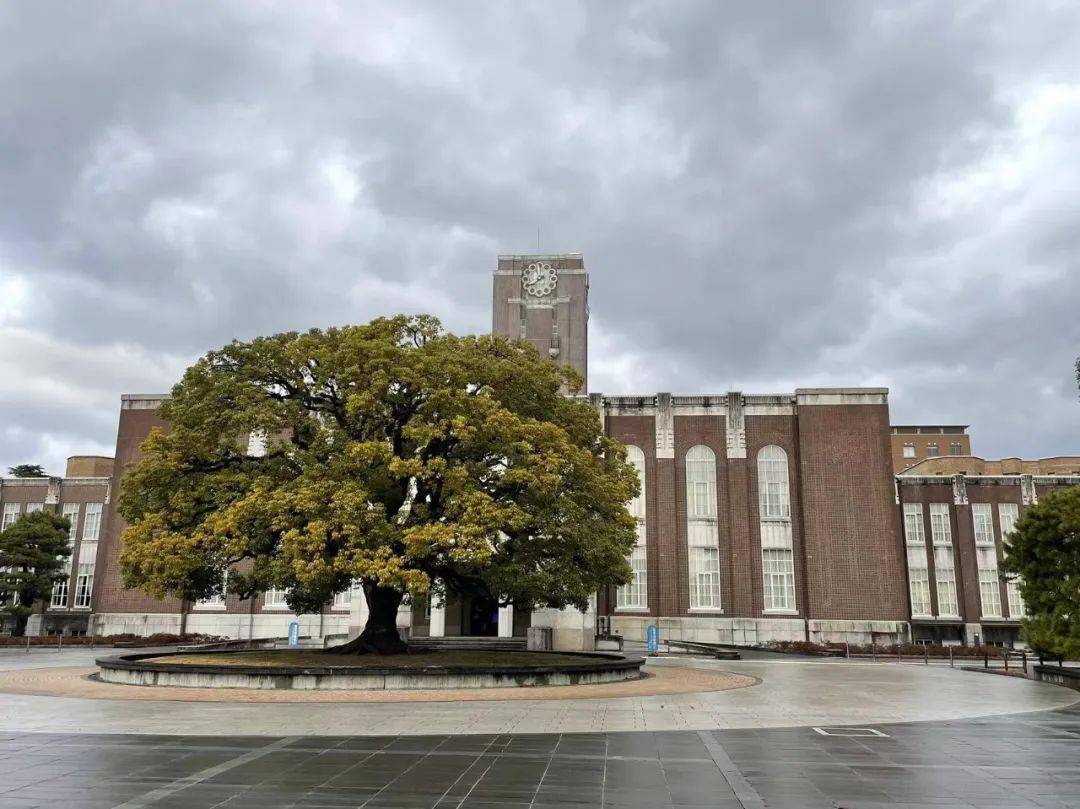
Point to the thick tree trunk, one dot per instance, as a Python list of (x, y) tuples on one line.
[(380, 635), (21, 620)]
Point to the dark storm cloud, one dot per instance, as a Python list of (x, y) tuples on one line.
[(767, 195)]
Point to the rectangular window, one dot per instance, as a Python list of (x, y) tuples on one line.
[(84, 585), (945, 574), (343, 600), (92, 522), (274, 599), (59, 594), (932, 451), (918, 566), (705, 577), (913, 524), (984, 523), (1008, 514), (909, 450), (634, 594), (1016, 602), (773, 487), (778, 569), (11, 513), (944, 560), (989, 586), (71, 511), (986, 557), (701, 529), (32, 507), (956, 449)]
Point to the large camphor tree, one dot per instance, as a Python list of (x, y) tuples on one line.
[(33, 550), (1043, 549), (393, 454)]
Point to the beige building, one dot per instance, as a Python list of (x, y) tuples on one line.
[(914, 443)]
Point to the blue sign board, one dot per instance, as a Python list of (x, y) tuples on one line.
[(653, 637), (294, 634)]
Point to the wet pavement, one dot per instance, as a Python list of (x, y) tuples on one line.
[(1026, 760)]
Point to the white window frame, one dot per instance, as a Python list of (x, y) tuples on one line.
[(32, 508), (777, 546), (12, 512), (92, 522), (343, 600), (944, 560), (274, 599), (703, 546), (909, 450), (986, 559), (59, 598), (635, 594), (1008, 514), (71, 511), (84, 586), (917, 561)]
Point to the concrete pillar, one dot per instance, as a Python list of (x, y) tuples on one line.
[(437, 627), (506, 621)]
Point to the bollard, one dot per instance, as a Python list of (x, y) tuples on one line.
[(1023, 660), (951, 666), (986, 657), (1006, 660), (873, 652), (847, 650), (59, 641), (926, 654)]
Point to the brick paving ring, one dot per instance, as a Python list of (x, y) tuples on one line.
[(315, 671)]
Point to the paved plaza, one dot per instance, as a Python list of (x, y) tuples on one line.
[(810, 734)]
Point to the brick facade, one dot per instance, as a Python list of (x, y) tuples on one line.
[(961, 493)]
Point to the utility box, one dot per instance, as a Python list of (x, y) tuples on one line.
[(538, 639)]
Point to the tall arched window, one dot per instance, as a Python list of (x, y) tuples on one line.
[(774, 511), (701, 535), (635, 594)]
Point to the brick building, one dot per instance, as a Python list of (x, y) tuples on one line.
[(956, 513), (914, 443), (762, 517), (82, 495)]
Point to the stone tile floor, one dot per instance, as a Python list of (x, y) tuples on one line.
[(1022, 760)]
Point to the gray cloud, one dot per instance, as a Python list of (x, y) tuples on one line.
[(767, 196)]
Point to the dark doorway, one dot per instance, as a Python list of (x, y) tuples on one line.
[(483, 618)]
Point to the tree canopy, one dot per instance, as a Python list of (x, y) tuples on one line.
[(396, 455), (1044, 550), (27, 470), (32, 554)]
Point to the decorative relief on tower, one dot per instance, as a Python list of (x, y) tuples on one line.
[(665, 426), (539, 279), (959, 491), (1028, 495), (736, 426)]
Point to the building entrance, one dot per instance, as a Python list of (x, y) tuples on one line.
[(481, 618)]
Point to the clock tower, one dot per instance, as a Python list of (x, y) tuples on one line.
[(545, 299)]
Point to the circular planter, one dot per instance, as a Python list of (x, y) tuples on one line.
[(138, 669)]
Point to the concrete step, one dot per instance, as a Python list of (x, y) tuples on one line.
[(466, 642)]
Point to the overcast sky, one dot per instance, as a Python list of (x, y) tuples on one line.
[(767, 195)]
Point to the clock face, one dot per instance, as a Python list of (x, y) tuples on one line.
[(539, 279)]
